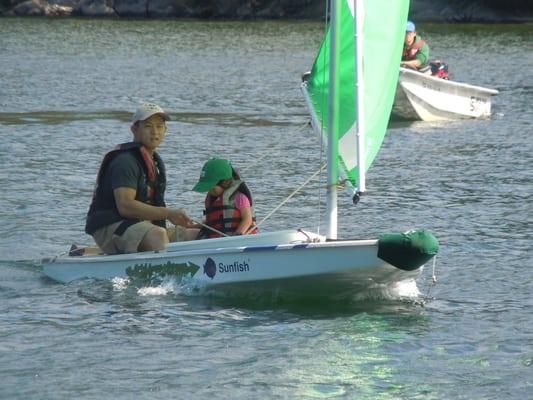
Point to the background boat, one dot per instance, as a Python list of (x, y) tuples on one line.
[(424, 97)]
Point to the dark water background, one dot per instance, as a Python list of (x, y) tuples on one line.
[(67, 90)]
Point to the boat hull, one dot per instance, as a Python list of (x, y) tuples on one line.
[(423, 97), (294, 262)]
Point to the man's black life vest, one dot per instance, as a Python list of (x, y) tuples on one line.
[(103, 210)]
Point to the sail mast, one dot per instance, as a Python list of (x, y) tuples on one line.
[(333, 121), (359, 89)]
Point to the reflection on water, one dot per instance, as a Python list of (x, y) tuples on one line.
[(207, 118), (59, 117)]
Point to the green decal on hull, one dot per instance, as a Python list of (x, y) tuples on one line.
[(150, 271), (407, 251)]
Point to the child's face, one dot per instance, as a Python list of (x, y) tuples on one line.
[(219, 188), (216, 191)]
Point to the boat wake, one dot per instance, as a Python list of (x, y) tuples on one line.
[(189, 287)]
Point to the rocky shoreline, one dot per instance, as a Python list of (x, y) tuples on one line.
[(478, 11)]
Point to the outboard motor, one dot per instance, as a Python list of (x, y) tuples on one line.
[(439, 69)]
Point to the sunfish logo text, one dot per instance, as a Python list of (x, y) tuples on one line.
[(235, 267)]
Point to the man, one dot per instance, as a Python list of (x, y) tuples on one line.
[(415, 50), (128, 212)]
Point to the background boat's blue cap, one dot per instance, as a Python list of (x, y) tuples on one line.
[(410, 27)]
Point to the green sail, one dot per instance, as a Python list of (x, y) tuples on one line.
[(383, 35)]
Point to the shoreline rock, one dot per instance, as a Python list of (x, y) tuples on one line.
[(462, 11)]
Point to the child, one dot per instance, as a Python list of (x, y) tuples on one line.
[(228, 204)]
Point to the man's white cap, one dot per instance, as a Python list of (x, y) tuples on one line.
[(146, 110)]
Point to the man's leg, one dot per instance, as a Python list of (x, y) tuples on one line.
[(155, 239), (105, 238), (140, 236)]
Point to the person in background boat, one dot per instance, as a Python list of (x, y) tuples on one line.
[(128, 212), (415, 50), (228, 203)]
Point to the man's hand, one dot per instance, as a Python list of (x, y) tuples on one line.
[(179, 217)]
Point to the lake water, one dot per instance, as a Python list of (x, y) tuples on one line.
[(68, 88)]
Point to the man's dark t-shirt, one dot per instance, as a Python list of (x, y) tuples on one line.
[(125, 170)]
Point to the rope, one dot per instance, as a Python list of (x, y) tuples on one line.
[(433, 282), (433, 275), (256, 161), (275, 148), (291, 195)]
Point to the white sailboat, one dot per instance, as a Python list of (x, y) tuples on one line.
[(297, 262), (424, 97)]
